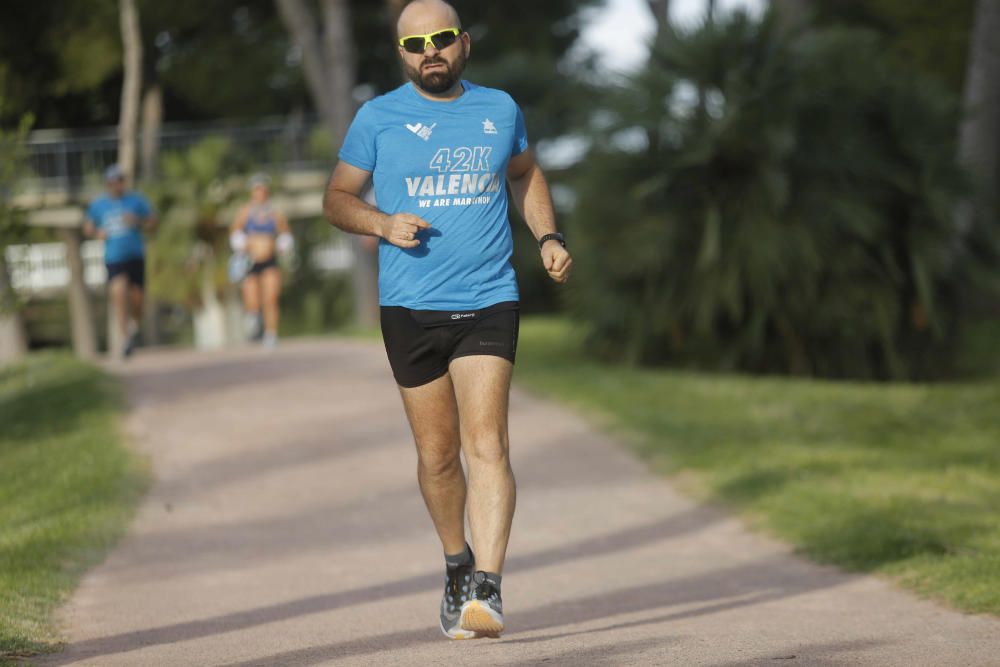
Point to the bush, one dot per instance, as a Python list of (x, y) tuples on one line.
[(775, 204)]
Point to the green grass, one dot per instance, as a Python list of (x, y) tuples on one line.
[(901, 480), (67, 490)]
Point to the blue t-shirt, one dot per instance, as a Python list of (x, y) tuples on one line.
[(445, 162), (124, 241)]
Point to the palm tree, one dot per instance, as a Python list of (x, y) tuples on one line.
[(796, 226)]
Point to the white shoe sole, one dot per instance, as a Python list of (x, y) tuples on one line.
[(458, 633), (481, 619)]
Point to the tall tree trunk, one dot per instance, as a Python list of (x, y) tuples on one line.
[(791, 14), (702, 101), (395, 8), (131, 88), (661, 14), (81, 314), (338, 49), (152, 123), (979, 133), (329, 68), (13, 339), (301, 25)]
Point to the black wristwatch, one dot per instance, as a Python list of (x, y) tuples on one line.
[(555, 236)]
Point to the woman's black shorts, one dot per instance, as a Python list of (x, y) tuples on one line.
[(258, 268), (421, 343)]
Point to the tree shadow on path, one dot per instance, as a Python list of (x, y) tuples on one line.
[(689, 521), (746, 585)]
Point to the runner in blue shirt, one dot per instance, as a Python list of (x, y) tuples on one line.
[(118, 217), (440, 151)]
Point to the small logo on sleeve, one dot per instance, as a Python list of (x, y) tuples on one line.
[(421, 130), (489, 127)]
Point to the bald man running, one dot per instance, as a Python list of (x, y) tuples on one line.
[(438, 150)]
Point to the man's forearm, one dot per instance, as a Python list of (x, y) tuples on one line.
[(534, 202), (349, 213)]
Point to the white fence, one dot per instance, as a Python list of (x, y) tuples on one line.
[(41, 267)]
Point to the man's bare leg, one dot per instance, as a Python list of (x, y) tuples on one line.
[(433, 417), (136, 302), (482, 389), (118, 301)]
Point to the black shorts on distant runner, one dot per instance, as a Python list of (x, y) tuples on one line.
[(258, 268), (135, 269), (421, 343)]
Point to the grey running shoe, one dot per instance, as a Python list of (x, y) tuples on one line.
[(483, 614), (457, 591), (130, 344), (253, 326)]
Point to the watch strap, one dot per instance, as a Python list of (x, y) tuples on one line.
[(555, 236)]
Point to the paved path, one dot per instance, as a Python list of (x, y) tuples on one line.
[(285, 528)]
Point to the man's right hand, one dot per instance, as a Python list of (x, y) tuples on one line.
[(400, 229)]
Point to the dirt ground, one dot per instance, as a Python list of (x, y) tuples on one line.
[(284, 527)]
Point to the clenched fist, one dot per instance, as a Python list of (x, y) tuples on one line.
[(400, 229), (556, 260)]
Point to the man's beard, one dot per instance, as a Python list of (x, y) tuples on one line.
[(437, 81)]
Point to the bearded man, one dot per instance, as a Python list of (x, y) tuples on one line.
[(439, 150)]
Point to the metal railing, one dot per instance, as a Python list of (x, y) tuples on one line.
[(41, 268), (67, 161)]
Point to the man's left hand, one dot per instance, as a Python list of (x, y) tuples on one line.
[(556, 260)]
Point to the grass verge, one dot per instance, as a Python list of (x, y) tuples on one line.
[(901, 480), (68, 487)]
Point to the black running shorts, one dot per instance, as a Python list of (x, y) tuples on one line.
[(421, 343), (134, 269), (258, 268)]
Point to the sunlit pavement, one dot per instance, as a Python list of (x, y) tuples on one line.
[(284, 527)]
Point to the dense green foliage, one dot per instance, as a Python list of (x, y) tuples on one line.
[(902, 480), (67, 488), (932, 37), (234, 58), (12, 168), (797, 220), (190, 247)]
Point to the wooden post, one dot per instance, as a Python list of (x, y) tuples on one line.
[(81, 314), (13, 340)]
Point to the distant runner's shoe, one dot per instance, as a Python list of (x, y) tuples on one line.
[(131, 339), (253, 326), (483, 614), (457, 591)]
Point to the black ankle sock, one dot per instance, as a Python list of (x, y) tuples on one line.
[(458, 560)]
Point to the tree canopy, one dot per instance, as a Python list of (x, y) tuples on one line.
[(61, 59)]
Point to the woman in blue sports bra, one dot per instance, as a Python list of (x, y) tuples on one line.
[(260, 232)]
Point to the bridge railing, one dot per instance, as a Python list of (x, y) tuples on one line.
[(65, 161), (40, 269)]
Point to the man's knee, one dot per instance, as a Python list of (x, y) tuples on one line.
[(118, 287), (438, 458), (487, 449)]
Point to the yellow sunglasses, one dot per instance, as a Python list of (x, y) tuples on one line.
[(439, 40)]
